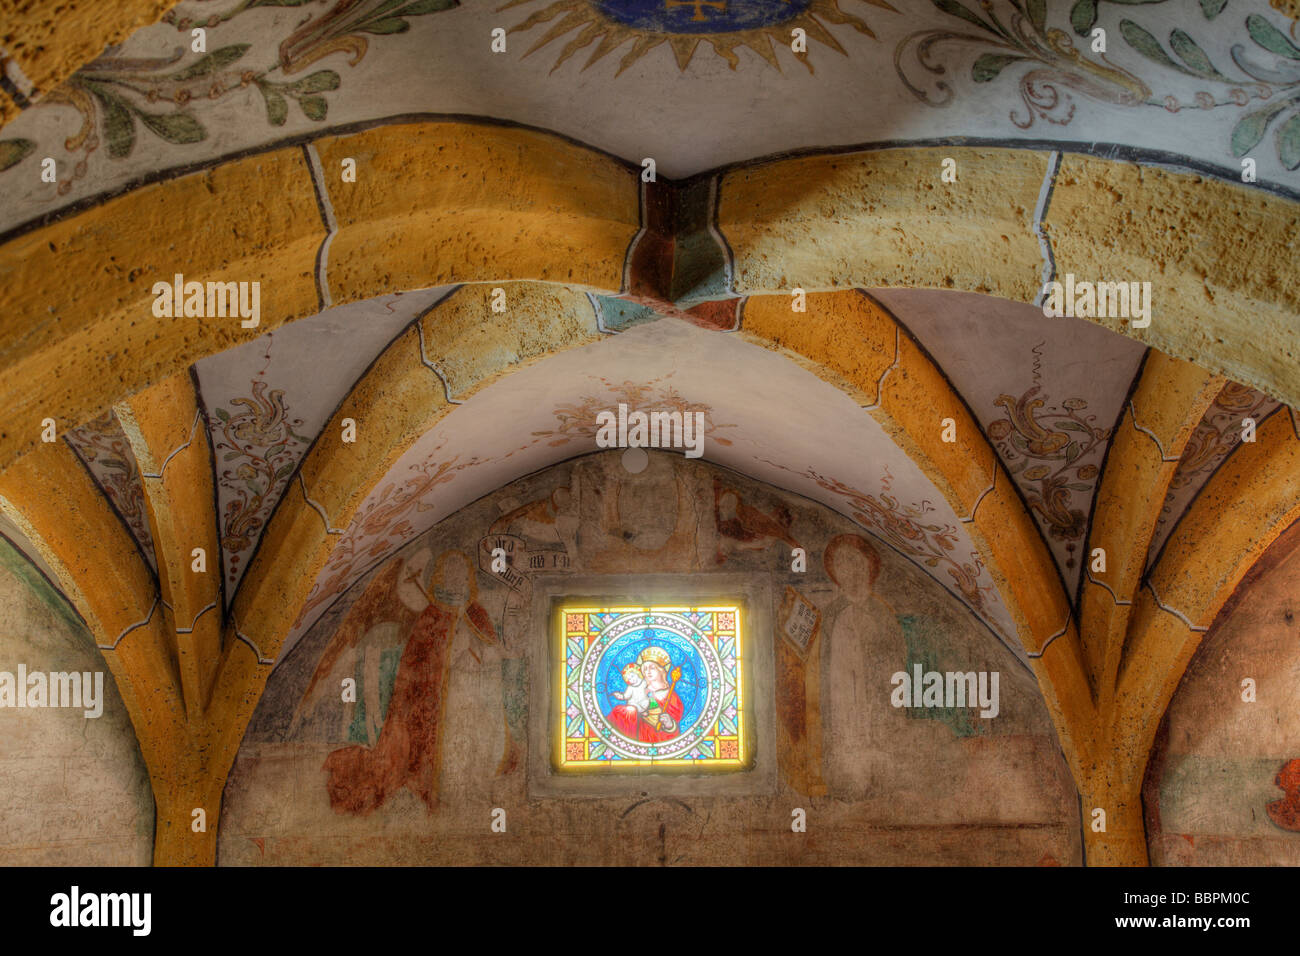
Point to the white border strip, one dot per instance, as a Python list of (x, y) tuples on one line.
[(331, 222)]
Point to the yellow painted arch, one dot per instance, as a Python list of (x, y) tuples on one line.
[(434, 203), (1220, 256)]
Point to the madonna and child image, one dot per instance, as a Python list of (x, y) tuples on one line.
[(652, 685)]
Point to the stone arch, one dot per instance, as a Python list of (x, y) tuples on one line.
[(79, 333)]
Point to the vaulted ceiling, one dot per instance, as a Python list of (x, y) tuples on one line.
[(921, 391)]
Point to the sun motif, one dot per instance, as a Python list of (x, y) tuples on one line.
[(758, 25)]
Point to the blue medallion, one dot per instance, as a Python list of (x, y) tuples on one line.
[(700, 16)]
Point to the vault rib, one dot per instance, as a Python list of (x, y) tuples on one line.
[(1174, 611), (149, 617), (319, 508), (176, 451)]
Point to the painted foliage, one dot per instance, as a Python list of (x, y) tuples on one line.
[(120, 97), (1046, 395), (268, 400), (1054, 452), (103, 447), (1254, 69), (1215, 438)]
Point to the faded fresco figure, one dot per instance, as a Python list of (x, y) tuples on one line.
[(865, 641), (409, 749), (367, 648)]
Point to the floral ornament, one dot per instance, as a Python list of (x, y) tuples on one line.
[(1046, 448), (1219, 431), (912, 531), (113, 94), (257, 442), (103, 446), (1217, 435), (1063, 69), (575, 422), (1025, 37)]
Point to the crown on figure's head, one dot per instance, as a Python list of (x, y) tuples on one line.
[(656, 654)]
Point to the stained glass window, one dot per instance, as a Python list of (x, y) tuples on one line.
[(651, 687)]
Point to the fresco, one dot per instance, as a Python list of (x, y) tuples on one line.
[(433, 734), (1215, 438), (76, 790), (119, 98), (1222, 787), (1214, 82), (1250, 62), (1048, 396), (103, 447), (726, 25), (548, 410), (266, 402)]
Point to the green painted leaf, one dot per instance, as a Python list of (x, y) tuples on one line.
[(12, 151), (988, 66), (421, 7), (277, 109), (1212, 8), (1071, 426), (955, 9), (391, 25), (174, 127), (1078, 486), (223, 414), (1250, 129), (279, 3), (317, 82), (314, 107), (119, 127), (1082, 16), (1147, 45), (1194, 56), (1270, 37), (216, 60), (1288, 142), (1037, 10)]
